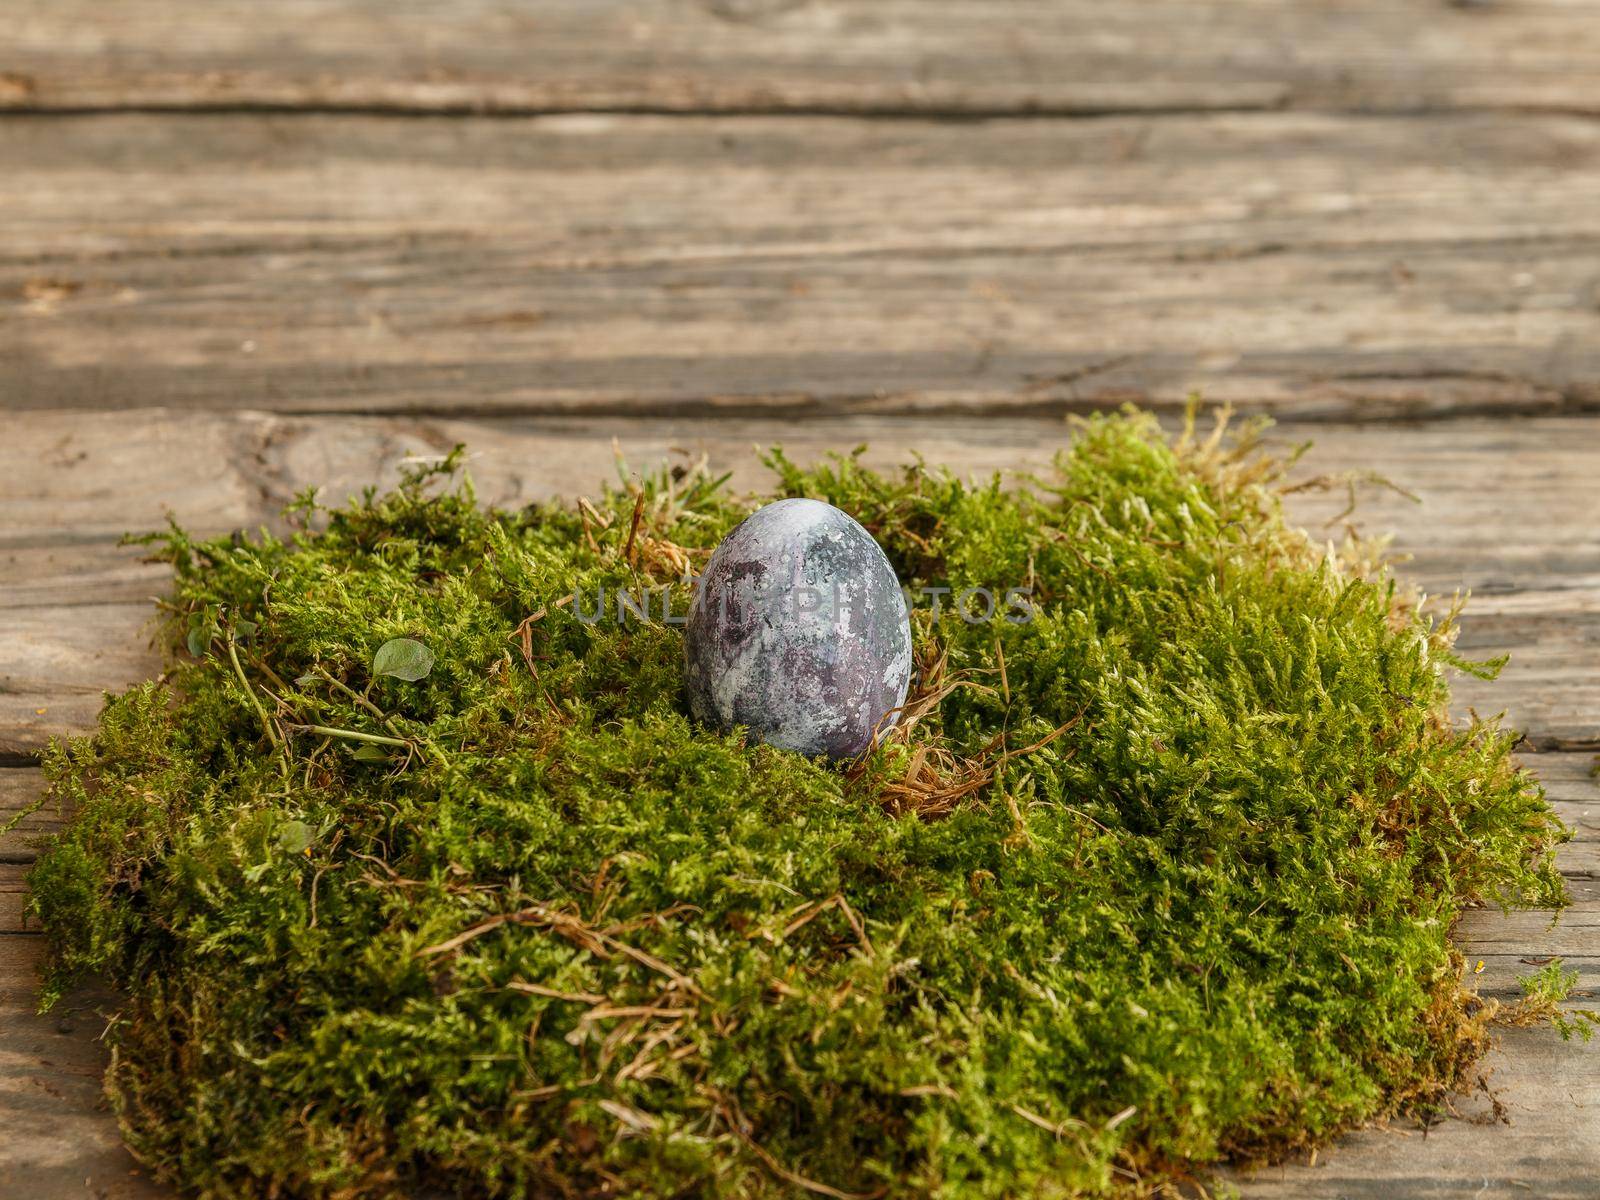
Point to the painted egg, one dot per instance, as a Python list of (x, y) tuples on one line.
[(799, 632)]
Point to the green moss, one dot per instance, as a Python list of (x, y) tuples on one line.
[(1169, 883)]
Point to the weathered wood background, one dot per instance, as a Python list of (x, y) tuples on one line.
[(246, 248)]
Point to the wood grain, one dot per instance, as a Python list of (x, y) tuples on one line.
[(20, 789), (948, 57), (1542, 1145), (13, 900), (1506, 511), (1323, 267), (59, 1140)]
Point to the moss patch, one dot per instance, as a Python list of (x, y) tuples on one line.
[(1161, 877)]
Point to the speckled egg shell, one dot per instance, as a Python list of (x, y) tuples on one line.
[(799, 632)]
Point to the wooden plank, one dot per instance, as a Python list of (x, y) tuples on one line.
[(20, 789), (1572, 780), (1502, 509), (1579, 860), (635, 265), (1545, 1147), (60, 1142), (881, 56), (1507, 510), (13, 898), (56, 667), (1574, 936)]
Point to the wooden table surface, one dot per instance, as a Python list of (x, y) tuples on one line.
[(247, 248)]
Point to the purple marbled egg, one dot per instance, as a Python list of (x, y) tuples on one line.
[(799, 632)]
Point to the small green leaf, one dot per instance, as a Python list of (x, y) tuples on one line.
[(404, 658), (295, 837), (370, 754), (245, 630), (198, 642)]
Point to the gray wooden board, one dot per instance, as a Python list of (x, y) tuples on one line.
[(21, 788), (1322, 266), (1545, 1149), (14, 898), (58, 1139), (880, 56), (1507, 510)]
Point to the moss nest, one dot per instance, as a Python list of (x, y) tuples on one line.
[(1161, 878)]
